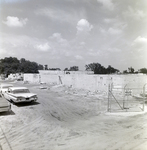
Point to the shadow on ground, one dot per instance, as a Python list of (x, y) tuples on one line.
[(27, 104), (7, 113)]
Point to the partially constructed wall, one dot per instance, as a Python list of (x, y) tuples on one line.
[(84, 81), (32, 78)]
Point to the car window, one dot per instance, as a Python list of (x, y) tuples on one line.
[(5, 87), (21, 91)]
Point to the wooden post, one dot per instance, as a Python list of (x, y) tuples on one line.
[(108, 107), (109, 98), (143, 97), (124, 96)]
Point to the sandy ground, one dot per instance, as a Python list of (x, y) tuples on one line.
[(69, 119)]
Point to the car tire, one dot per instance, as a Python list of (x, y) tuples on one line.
[(11, 101)]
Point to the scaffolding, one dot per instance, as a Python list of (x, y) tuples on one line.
[(126, 98)]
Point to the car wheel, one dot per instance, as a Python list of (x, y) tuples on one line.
[(11, 101)]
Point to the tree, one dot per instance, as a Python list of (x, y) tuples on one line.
[(22, 60), (66, 69), (99, 69), (29, 67), (131, 70), (95, 67), (125, 71), (1, 68), (90, 67), (143, 70), (46, 67), (10, 65), (111, 70), (74, 68), (54, 69), (33, 68), (40, 67)]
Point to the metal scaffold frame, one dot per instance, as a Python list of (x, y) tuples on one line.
[(126, 92)]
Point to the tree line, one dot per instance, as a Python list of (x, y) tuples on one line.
[(73, 68), (97, 68), (10, 65), (131, 70)]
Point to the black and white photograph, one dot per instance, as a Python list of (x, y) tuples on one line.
[(73, 74)]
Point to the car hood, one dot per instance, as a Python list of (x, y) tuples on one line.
[(25, 95)]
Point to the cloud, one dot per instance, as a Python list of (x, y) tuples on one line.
[(110, 31), (114, 31), (102, 30), (12, 1), (93, 53), (138, 49), (116, 26), (82, 43), (115, 50), (140, 42), (51, 13), (108, 20), (58, 38), (84, 26), (43, 47), (134, 14), (15, 21), (16, 40), (78, 57), (88, 29), (2, 51), (107, 4), (58, 14)]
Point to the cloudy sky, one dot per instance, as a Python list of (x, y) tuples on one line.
[(65, 33)]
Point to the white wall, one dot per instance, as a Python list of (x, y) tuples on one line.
[(31, 78), (58, 72), (88, 82)]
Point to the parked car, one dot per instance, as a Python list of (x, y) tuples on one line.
[(20, 94), (4, 87), (4, 105), (20, 79)]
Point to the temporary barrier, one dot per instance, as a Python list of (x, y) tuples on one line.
[(126, 98)]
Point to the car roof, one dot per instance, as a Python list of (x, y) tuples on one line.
[(5, 84), (17, 88)]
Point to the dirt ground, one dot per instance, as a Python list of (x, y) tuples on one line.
[(64, 118)]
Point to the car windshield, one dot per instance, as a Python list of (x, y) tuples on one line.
[(21, 91), (6, 87)]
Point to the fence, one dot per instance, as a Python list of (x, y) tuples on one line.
[(126, 98)]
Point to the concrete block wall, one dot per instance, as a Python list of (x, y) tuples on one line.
[(53, 79), (88, 82), (31, 78)]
